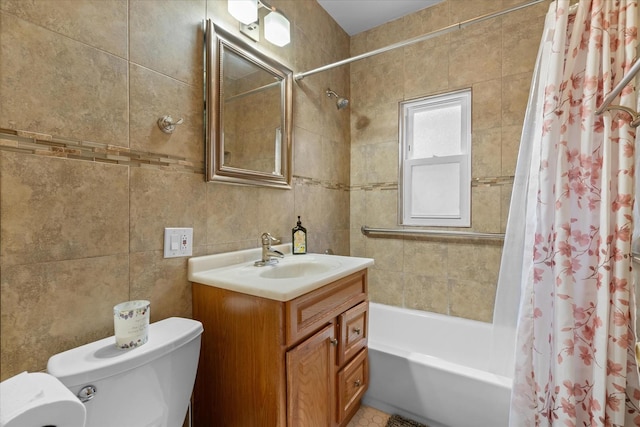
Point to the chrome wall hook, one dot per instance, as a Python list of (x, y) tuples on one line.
[(167, 125)]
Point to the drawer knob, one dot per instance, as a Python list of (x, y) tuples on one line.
[(357, 383), (357, 331), (333, 341)]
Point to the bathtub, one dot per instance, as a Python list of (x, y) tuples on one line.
[(434, 369)]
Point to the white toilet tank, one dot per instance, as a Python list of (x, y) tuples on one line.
[(146, 386)]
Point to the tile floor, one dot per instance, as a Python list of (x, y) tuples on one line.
[(367, 416)]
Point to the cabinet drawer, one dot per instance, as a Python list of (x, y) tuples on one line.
[(353, 332), (309, 312), (353, 381)]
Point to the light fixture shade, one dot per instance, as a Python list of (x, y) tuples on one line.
[(245, 11), (277, 29)]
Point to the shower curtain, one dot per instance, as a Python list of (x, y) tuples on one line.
[(575, 346)]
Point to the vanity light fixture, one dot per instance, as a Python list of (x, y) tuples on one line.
[(245, 11), (277, 28)]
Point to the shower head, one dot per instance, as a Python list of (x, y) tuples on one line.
[(341, 101)]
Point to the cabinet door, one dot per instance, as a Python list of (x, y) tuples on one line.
[(311, 381)]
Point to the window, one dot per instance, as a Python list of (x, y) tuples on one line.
[(435, 160)]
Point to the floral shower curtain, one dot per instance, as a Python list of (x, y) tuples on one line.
[(575, 346)]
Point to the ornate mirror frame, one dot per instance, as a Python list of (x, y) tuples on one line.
[(217, 42)]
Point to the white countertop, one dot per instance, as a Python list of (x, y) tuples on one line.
[(235, 271)]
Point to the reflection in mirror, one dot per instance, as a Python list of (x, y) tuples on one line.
[(248, 114)]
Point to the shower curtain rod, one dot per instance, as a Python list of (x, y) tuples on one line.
[(427, 36), (431, 233)]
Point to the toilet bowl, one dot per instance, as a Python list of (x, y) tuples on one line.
[(146, 386)]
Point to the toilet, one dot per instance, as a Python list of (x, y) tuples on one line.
[(146, 386)]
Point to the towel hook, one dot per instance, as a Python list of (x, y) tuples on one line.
[(167, 125)]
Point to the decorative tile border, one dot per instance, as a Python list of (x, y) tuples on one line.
[(299, 180), (492, 181), (47, 145)]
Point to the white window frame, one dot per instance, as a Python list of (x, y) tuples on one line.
[(461, 98)]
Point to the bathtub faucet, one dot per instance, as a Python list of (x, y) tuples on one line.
[(268, 252)]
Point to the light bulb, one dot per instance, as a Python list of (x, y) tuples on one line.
[(245, 11), (277, 29)]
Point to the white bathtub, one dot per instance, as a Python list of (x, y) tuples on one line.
[(433, 368)]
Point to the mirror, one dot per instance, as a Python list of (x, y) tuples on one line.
[(248, 113)]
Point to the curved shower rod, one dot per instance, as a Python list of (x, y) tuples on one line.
[(635, 117), (460, 25)]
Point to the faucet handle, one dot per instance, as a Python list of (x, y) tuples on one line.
[(267, 239)]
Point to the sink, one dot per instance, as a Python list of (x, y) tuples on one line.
[(298, 269), (290, 277)]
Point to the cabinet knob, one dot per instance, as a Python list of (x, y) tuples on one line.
[(333, 341), (357, 331), (357, 383)]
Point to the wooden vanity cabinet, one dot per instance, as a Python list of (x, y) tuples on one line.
[(267, 363)]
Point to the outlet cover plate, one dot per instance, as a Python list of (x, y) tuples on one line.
[(178, 242)]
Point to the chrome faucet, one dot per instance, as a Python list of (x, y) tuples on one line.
[(268, 252)]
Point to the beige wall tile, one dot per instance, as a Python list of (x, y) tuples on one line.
[(359, 165), (515, 93), (486, 106), (426, 259), (227, 213), (374, 124), (276, 214), (510, 146), (358, 209), (505, 203), (72, 209), (338, 242), (388, 253), (386, 287), (308, 99), (379, 84), (382, 208), (153, 208), (472, 299), (495, 59), (485, 209), (56, 209), (51, 307), (520, 41), (382, 162), (476, 59), (429, 20), (100, 24), (168, 39), (338, 156), (422, 74), (479, 262), (426, 293), (163, 282), (486, 154), (308, 145), (357, 243), (154, 96), (54, 85)]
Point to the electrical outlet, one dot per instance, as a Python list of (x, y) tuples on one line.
[(178, 242)]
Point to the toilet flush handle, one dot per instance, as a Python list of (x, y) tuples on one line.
[(87, 393)]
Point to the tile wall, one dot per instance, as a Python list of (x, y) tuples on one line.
[(495, 59), (88, 182)]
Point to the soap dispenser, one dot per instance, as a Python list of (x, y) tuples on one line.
[(299, 239)]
